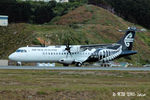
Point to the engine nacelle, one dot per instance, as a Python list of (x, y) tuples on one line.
[(66, 61)]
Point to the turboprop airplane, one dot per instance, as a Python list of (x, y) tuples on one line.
[(78, 54)]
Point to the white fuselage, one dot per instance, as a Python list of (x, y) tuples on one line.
[(51, 54)]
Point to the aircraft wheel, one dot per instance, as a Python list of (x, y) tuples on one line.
[(79, 64), (65, 65)]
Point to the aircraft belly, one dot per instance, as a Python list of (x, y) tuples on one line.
[(81, 58)]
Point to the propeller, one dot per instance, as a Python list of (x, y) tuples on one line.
[(68, 49)]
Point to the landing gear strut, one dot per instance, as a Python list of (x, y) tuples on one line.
[(19, 63)]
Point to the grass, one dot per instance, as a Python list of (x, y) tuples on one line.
[(69, 85)]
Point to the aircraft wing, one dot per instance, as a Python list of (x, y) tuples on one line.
[(128, 52), (94, 45), (99, 46)]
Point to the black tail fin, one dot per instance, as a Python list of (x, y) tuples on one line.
[(127, 40)]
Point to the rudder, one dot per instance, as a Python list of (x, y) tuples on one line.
[(127, 40)]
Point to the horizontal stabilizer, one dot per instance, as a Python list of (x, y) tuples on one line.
[(128, 52)]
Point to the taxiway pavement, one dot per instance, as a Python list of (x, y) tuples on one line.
[(76, 68)]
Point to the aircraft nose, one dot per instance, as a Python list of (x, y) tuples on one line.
[(11, 57)]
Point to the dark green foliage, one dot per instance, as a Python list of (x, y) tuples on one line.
[(43, 14), (136, 11), (35, 12), (81, 1), (7, 1), (98, 2), (17, 12)]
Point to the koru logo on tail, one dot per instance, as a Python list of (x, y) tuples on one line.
[(128, 39)]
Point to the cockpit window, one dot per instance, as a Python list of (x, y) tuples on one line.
[(22, 51)]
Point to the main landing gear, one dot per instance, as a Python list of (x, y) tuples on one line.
[(79, 64), (66, 65)]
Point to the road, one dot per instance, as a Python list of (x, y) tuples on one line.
[(76, 68)]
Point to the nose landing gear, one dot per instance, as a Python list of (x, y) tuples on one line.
[(19, 63)]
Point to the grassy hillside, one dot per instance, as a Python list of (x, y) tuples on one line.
[(87, 24), (12, 37)]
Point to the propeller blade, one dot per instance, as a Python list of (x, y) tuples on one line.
[(68, 49)]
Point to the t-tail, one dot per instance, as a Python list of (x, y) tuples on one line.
[(127, 41)]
